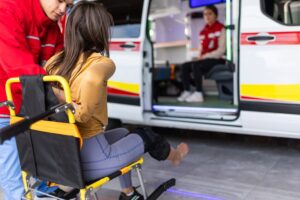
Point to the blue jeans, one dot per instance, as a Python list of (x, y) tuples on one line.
[(109, 151), (10, 170)]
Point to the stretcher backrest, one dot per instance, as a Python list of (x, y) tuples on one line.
[(49, 151)]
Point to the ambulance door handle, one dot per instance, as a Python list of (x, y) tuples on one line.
[(261, 38), (127, 46)]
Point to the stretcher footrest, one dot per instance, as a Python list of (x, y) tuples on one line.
[(161, 189)]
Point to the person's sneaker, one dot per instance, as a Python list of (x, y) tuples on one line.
[(59, 194), (185, 94), (44, 190), (135, 196), (195, 97)]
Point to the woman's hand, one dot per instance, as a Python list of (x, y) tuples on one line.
[(74, 104), (59, 94)]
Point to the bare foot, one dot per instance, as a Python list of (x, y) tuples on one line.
[(179, 153)]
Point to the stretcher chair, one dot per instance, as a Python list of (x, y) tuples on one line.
[(49, 142)]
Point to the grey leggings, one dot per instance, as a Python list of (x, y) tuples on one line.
[(109, 151)]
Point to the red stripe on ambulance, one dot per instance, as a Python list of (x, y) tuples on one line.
[(124, 46), (113, 91), (248, 98), (253, 98)]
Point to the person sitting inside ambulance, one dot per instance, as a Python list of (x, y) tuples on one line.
[(212, 51)]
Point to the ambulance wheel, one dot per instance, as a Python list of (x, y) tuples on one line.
[(113, 123)]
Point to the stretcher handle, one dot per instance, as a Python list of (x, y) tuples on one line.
[(15, 129), (51, 78), (9, 104), (23, 125)]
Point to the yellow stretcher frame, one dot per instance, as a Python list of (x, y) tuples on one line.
[(53, 78), (90, 188), (40, 126)]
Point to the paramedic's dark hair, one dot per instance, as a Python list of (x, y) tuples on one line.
[(87, 31), (212, 8)]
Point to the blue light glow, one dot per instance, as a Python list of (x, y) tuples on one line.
[(199, 3), (193, 194)]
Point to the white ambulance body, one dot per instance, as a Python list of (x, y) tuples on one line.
[(261, 93)]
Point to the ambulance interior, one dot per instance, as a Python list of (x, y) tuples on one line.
[(174, 31)]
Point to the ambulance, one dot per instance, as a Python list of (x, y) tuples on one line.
[(256, 92)]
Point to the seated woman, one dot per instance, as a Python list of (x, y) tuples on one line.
[(83, 64), (212, 50)]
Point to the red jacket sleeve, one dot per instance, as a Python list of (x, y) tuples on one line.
[(15, 56), (59, 44)]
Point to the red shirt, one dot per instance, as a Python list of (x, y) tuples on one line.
[(28, 38), (209, 37)]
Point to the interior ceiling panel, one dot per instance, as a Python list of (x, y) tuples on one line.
[(129, 10)]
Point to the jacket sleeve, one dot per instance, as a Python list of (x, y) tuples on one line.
[(92, 89), (200, 46), (15, 56), (59, 45), (60, 42), (220, 51)]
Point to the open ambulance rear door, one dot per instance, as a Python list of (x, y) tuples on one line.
[(126, 50)]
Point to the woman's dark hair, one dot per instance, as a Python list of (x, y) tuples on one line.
[(87, 31), (212, 8)]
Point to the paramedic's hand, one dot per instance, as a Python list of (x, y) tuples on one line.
[(201, 57), (59, 94)]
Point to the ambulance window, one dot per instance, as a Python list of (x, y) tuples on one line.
[(295, 12), (127, 17), (283, 11)]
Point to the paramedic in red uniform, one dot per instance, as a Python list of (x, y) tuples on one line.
[(212, 51), (29, 35)]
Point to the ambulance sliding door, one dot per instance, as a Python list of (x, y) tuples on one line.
[(126, 50), (269, 57)]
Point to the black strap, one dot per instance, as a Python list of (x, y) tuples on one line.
[(33, 104)]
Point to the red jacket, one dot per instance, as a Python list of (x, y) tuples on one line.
[(209, 37), (27, 39)]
